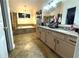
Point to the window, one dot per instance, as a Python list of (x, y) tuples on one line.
[(23, 15), (70, 16)]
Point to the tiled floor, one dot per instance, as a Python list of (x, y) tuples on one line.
[(29, 46)]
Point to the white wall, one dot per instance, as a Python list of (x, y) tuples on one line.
[(31, 20), (76, 54), (69, 4), (23, 7), (77, 13)]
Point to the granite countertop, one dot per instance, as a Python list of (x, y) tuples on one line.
[(68, 32)]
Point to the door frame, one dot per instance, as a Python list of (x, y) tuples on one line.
[(7, 24)]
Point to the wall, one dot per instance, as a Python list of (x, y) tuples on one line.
[(30, 11), (23, 8), (69, 4), (77, 13), (76, 54)]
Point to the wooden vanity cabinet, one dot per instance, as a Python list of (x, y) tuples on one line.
[(62, 44)]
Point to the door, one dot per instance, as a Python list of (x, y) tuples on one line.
[(14, 20), (3, 46)]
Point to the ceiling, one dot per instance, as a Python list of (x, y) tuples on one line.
[(33, 3)]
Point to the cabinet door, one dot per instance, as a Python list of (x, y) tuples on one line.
[(38, 31), (50, 40), (65, 49), (43, 35)]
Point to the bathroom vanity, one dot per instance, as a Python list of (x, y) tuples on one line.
[(61, 41)]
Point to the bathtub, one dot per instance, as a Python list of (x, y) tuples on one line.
[(25, 29)]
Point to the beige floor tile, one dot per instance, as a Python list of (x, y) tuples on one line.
[(29, 46)]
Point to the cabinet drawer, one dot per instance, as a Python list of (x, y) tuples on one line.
[(66, 38), (71, 39), (59, 35)]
